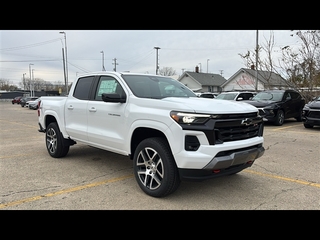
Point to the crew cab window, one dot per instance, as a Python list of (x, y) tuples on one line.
[(107, 85), (295, 95), (82, 88), (287, 96)]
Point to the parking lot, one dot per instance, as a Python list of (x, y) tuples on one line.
[(286, 177)]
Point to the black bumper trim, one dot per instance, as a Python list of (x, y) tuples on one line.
[(224, 165)]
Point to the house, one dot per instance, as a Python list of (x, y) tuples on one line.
[(202, 82), (244, 80)]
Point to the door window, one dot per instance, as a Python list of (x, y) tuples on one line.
[(107, 85)]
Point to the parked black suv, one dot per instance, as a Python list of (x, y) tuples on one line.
[(311, 113), (277, 105)]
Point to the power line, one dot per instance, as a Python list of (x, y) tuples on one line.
[(43, 60), (30, 45)]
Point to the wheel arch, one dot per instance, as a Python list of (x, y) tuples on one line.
[(50, 117), (142, 133)]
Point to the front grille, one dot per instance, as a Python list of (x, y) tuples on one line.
[(314, 114), (225, 133), (230, 127)]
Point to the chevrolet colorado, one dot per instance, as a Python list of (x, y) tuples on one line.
[(170, 134)]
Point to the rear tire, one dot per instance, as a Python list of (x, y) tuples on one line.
[(54, 141), (154, 168)]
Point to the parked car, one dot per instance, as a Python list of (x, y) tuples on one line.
[(236, 96), (24, 100), (16, 100), (33, 104), (207, 95), (311, 113), (277, 105)]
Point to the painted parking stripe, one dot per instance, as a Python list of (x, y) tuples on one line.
[(284, 178), (78, 188), (68, 190)]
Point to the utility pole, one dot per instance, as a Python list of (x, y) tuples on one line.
[(157, 60), (115, 64), (257, 52), (24, 81), (30, 78), (207, 64)]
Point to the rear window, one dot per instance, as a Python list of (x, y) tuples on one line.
[(82, 89)]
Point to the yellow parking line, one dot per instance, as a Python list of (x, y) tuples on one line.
[(16, 155), (68, 190), (19, 123), (284, 178), (281, 128)]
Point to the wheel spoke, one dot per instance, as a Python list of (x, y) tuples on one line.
[(51, 140), (150, 168)]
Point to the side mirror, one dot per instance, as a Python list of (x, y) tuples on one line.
[(114, 97)]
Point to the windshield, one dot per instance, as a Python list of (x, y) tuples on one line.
[(268, 96), (156, 87), (226, 96)]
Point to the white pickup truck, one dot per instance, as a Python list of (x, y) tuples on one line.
[(170, 134)]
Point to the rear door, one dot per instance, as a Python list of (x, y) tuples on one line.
[(76, 114)]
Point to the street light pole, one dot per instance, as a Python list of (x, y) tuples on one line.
[(65, 49), (33, 83), (30, 78), (207, 64), (103, 69)]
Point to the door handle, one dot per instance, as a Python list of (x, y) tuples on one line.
[(92, 109), (70, 107)]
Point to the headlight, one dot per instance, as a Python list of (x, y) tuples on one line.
[(189, 118), (306, 107)]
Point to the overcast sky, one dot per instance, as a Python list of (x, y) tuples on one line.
[(134, 51)]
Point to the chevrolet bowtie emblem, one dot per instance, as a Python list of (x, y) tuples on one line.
[(246, 121)]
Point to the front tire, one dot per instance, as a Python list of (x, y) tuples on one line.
[(154, 168), (54, 141), (306, 125), (279, 118)]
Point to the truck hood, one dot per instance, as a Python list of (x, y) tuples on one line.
[(205, 105), (314, 105), (260, 104)]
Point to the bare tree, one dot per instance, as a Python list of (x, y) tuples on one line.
[(265, 58), (7, 86), (303, 65), (167, 71)]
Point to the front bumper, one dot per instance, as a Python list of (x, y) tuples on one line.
[(231, 162), (311, 117), (311, 121)]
